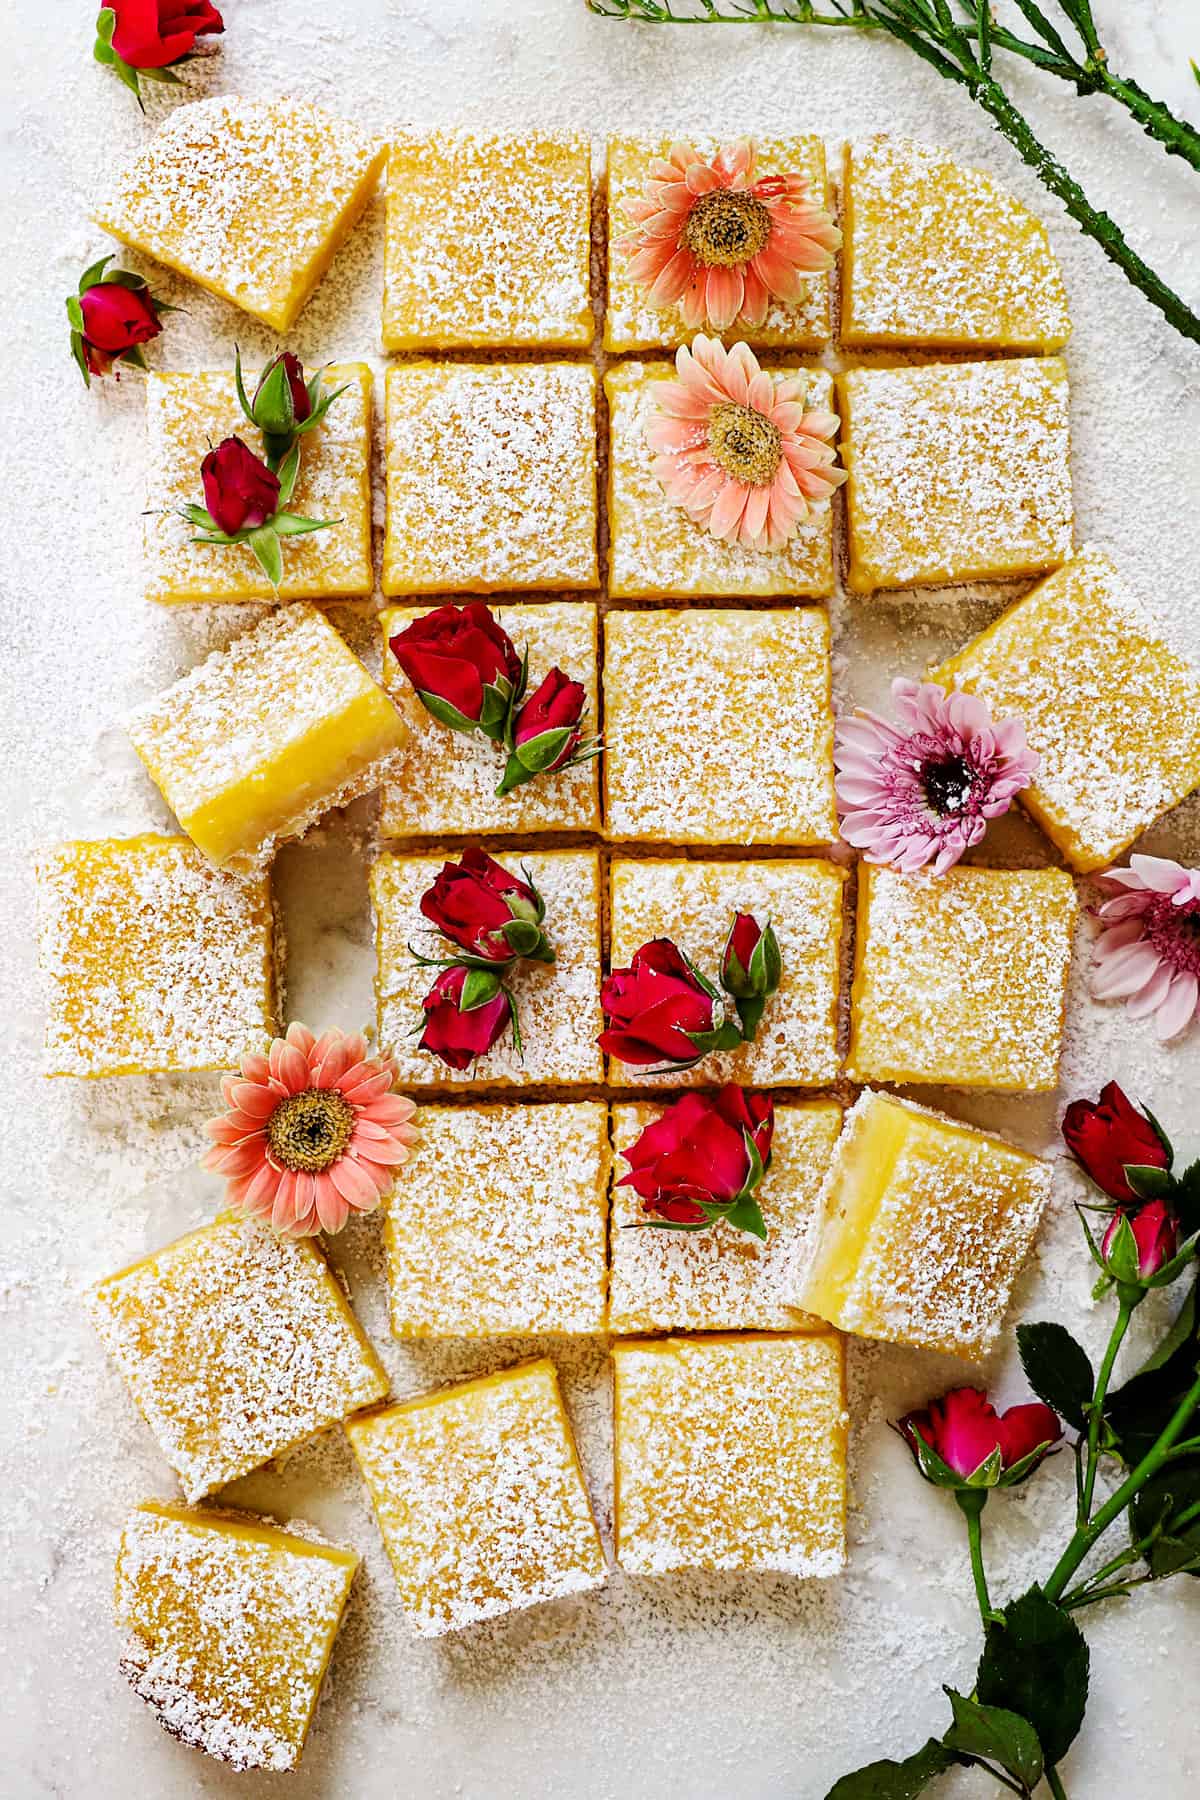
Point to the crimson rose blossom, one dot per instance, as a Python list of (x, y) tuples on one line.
[(1154, 1233), (240, 492), (115, 318), (1106, 1134), (697, 1153), (474, 901), (152, 34), (651, 1006), (455, 654), (455, 1036), (964, 1429)]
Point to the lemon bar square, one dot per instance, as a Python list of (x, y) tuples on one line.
[(236, 1344), (962, 977), (558, 1003), (939, 256), (1112, 711), (656, 552), (693, 904), (501, 1225), (152, 961), (957, 471), (721, 1279), (631, 323), (265, 736), (186, 414), (230, 1623), (488, 242), (480, 1498), (249, 198), (703, 705), (491, 477), (730, 1454), (444, 782), (925, 1225)]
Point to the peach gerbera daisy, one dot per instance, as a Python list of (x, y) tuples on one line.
[(718, 244), (735, 448), (313, 1132)]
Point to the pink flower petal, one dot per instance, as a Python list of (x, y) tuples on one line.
[(1178, 1010)]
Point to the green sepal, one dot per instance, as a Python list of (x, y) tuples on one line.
[(514, 699), (80, 355), (745, 1214), (288, 471), (200, 515), (274, 412), (515, 1022), (75, 314), (288, 524), (319, 402), (722, 1037), (135, 356), (525, 939), (497, 703), (1121, 1257), (1148, 1181), (479, 989), (240, 384), (165, 74), (267, 552), (444, 713), (766, 964)]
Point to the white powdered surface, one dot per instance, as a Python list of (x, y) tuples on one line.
[(754, 1687)]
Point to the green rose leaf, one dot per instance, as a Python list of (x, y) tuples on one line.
[(1036, 1664), (995, 1735), (1058, 1369), (889, 1780), (1139, 1410)]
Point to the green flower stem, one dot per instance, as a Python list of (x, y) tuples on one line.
[(971, 1502), (1054, 1783), (1096, 1410), (1087, 1535)]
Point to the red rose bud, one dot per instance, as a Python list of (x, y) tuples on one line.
[(487, 912), (661, 1010), (546, 731), (961, 1441), (151, 36), (1137, 1245), (1109, 1136), (283, 376), (751, 968), (240, 492), (111, 317), (703, 1159), (466, 1011), (463, 666)]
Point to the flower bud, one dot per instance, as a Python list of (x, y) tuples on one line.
[(546, 730), (240, 492), (462, 665), (703, 1159), (466, 1012), (751, 969), (487, 912), (1137, 1245), (1108, 1136), (661, 1010), (281, 399)]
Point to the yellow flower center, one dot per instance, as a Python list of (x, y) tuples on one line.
[(726, 227), (311, 1130), (746, 443)]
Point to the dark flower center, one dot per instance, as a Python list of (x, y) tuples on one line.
[(745, 443), (947, 784), (726, 228), (309, 1131)]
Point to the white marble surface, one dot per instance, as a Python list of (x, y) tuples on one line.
[(692, 1686)]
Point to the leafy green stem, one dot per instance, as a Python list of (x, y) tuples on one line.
[(1054, 1783), (1096, 1410)]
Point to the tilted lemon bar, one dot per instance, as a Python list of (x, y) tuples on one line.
[(939, 256), (631, 323), (185, 416), (730, 1454), (1113, 712), (152, 960), (926, 1224), (236, 1345), (657, 552), (693, 904), (558, 1003), (961, 977), (480, 1498), (491, 477), (501, 1225), (721, 1279), (264, 737), (957, 471), (250, 198), (230, 1622), (488, 242), (718, 727), (444, 782)]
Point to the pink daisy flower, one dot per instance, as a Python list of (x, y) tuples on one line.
[(1148, 950), (736, 449), (718, 244), (922, 790), (313, 1132)]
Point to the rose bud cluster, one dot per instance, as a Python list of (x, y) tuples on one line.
[(147, 39), (661, 1011), (466, 672), (703, 1160), (493, 920), (961, 1442), (112, 314), (245, 502), (285, 407), (1129, 1157)]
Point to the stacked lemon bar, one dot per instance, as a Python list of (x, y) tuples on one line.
[(707, 665)]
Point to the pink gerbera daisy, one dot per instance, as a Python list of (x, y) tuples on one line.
[(314, 1132), (735, 448), (718, 244), (1148, 951), (923, 789)]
